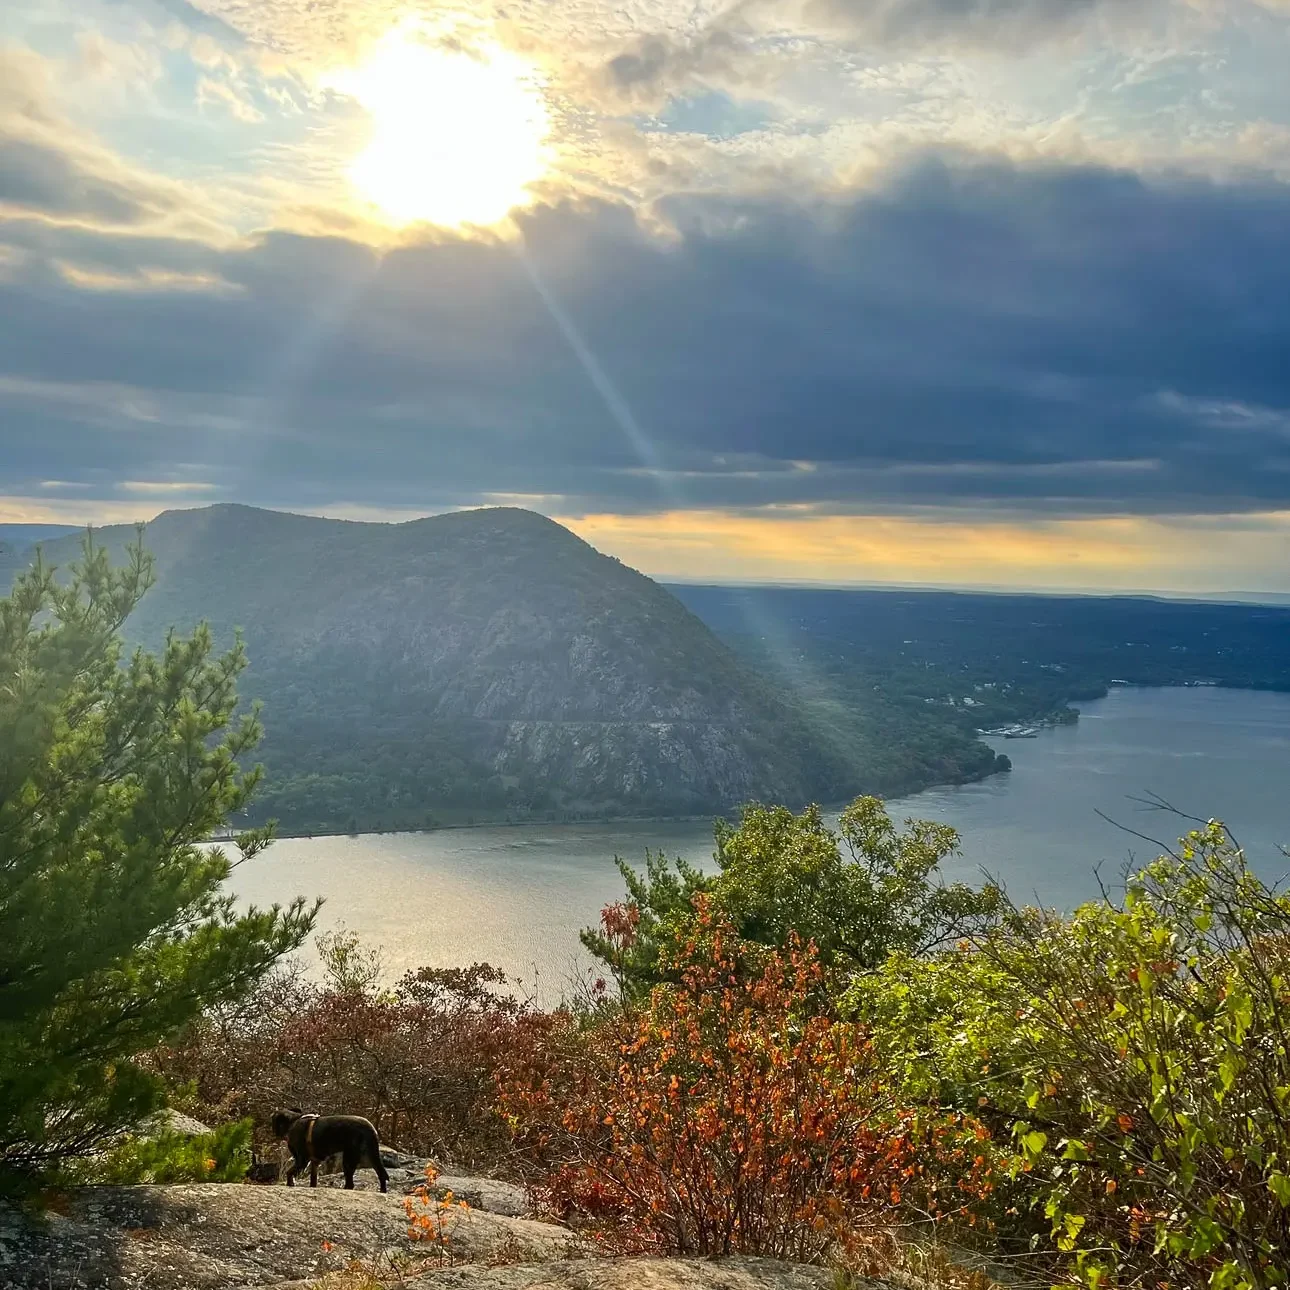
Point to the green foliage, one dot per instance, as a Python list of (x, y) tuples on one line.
[(944, 1026), (349, 966), (857, 895), (635, 935), (1156, 1034), (898, 667), (857, 899), (1138, 1053), (113, 927), (222, 1155)]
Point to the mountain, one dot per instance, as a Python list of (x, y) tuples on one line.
[(484, 664), (19, 537)]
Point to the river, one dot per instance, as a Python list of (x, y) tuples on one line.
[(517, 896)]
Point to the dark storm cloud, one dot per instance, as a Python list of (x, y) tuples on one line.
[(657, 64), (967, 333)]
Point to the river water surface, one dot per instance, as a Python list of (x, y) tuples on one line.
[(517, 896)]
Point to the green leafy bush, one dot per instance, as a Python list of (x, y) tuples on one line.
[(222, 1155), (857, 895), (1138, 1052), (1156, 1034)]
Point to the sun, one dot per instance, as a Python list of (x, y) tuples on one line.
[(457, 137)]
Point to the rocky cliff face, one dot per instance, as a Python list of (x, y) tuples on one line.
[(485, 657)]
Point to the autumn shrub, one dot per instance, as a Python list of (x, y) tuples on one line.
[(433, 1216), (727, 1114), (1137, 1052), (419, 1059)]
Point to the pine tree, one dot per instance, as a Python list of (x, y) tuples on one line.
[(114, 926)]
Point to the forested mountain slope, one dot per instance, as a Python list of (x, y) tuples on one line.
[(478, 664)]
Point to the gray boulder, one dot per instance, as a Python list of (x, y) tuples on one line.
[(172, 1121)]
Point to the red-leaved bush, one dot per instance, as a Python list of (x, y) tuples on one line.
[(725, 1115), (419, 1060)]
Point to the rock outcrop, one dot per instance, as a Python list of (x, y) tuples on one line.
[(626, 1274), (220, 1236), (214, 1236), (407, 1173)]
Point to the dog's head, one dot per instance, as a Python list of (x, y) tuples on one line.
[(281, 1121)]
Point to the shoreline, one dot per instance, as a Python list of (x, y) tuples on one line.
[(1049, 721), (493, 824), (829, 808)]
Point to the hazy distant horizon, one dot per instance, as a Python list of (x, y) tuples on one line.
[(1236, 596)]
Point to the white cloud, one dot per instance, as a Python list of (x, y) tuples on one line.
[(216, 93), (166, 487)]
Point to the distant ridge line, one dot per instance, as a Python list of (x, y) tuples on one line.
[(1270, 599)]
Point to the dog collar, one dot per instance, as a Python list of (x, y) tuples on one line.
[(309, 1135)]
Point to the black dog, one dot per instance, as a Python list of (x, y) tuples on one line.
[(312, 1138)]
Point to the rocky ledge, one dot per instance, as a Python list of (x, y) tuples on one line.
[(209, 1235), (625, 1274), (218, 1236), (407, 1173)]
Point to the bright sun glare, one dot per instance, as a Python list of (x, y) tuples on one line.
[(457, 137)]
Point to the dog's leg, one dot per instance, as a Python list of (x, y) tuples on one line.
[(313, 1173), (349, 1163), (291, 1173), (370, 1155)]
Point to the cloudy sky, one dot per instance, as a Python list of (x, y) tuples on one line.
[(950, 291)]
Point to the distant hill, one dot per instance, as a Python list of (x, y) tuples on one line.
[(1055, 648), (908, 676), (485, 664), (19, 537)]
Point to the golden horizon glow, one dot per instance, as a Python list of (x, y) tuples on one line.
[(1166, 553), (458, 137), (1109, 554)]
